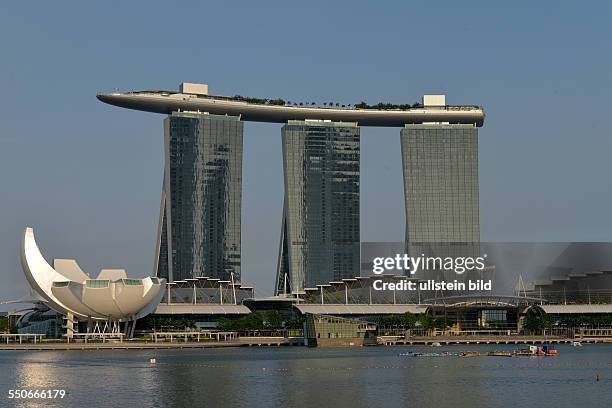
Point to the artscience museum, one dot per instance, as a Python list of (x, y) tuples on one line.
[(101, 304)]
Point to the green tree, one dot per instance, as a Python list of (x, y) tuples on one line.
[(427, 322), (406, 320), (296, 323), (409, 320), (273, 320), (252, 321), (185, 323), (536, 323), (224, 324), (440, 324), (4, 324)]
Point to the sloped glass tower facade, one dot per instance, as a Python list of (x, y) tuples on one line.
[(199, 229), (441, 189), (320, 228)]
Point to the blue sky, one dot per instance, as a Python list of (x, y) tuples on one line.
[(87, 176)]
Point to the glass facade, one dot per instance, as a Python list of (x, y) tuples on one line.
[(97, 283), (46, 322), (440, 164), (132, 282), (320, 230), (199, 232)]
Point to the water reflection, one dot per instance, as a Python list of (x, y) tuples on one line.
[(291, 377)]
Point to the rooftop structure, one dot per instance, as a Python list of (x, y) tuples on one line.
[(577, 309), (196, 98), (206, 291), (357, 309), (201, 309)]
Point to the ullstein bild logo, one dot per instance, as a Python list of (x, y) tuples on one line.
[(411, 264)]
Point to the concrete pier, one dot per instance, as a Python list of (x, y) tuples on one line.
[(141, 345), (427, 341)]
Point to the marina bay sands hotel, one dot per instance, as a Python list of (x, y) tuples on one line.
[(200, 226)]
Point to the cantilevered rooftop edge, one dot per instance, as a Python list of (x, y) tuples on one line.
[(165, 102)]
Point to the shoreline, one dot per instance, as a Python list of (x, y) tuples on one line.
[(278, 342)]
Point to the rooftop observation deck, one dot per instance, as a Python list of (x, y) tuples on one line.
[(281, 111)]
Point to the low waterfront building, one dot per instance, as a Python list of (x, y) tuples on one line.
[(333, 331), (203, 301), (202, 316), (40, 321)]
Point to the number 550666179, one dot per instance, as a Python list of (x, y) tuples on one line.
[(36, 394)]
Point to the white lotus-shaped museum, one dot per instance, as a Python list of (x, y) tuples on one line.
[(67, 289)]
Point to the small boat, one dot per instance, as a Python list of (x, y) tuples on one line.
[(410, 354), (576, 344), (470, 354), (436, 344), (417, 354), (500, 354), (537, 351)]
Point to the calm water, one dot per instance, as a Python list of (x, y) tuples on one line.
[(293, 377)]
